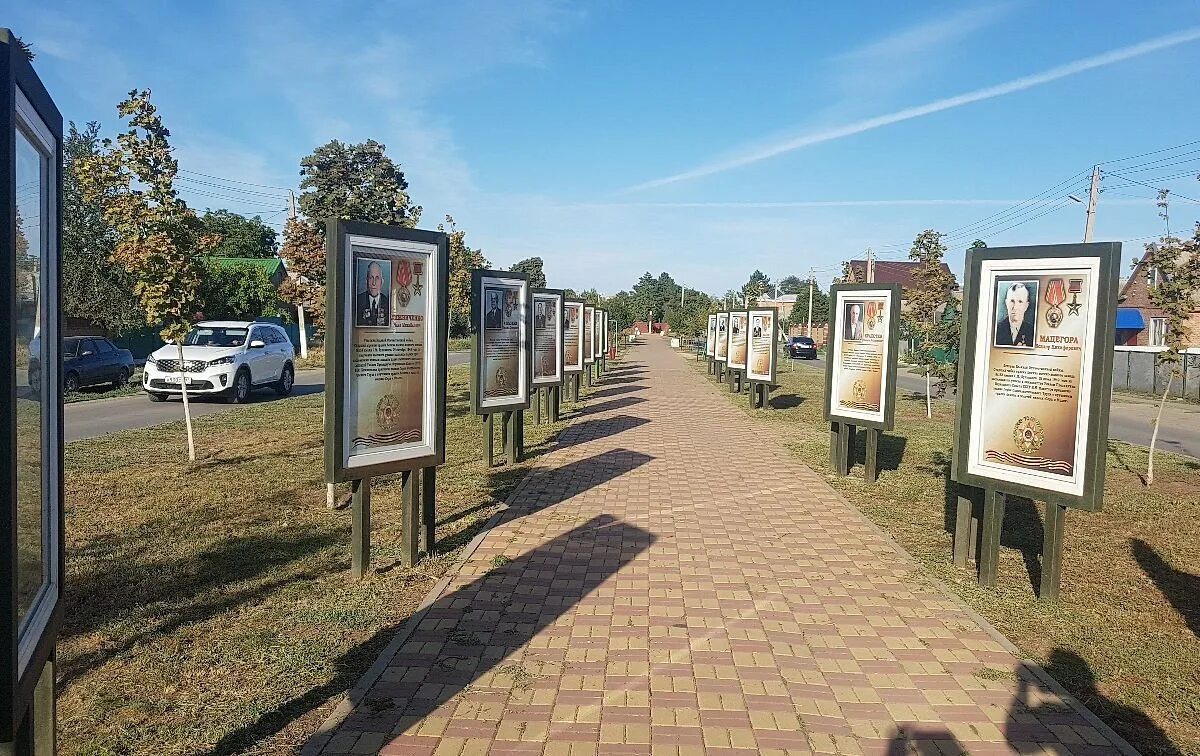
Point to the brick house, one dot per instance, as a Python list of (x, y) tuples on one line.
[(897, 272), (1139, 322)]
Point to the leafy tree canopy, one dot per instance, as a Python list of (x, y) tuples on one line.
[(463, 260), (240, 236), (758, 285), (532, 267), (239, 291), (793, 285), (355, 182)]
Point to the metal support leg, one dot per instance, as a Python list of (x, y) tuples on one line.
[(537, 401), (360, 528), (507, 436), (410, 518), (1052, 551), (835, 443), (989, 548), (519, 433), (962, 530), (429, 509), (489, 431)]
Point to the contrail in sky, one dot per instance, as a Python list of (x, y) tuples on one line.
[(1016, 85)]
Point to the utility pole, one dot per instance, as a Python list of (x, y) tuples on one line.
[(300, 307), (1093, 198), (870, 266), (811, 281)]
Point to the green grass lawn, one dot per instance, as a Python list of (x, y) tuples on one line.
[(1123, 638), (209, 607), (106, 391)]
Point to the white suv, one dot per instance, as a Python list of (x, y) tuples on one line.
[(227, 358)]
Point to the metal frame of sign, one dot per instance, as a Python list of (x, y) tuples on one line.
[(29, 644), (479, 405), (603, 332), (710, 340), (1101, 261), (578, 366), (729, 363), (556, 297), (341, 237), (772, 346), (722, 342), (887, 391), (589, 327)]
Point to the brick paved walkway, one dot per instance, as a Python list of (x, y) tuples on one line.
[(669, 581)]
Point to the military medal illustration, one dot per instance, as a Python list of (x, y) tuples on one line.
[(501, 378), (871, 315), (418, 270), (387, 412), (1056, 294), (403, 279), (1074, 287), (860, 390), (1028, 434)]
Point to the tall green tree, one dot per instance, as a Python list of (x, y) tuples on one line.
[(793, 285), (820, 308), (758, 285), (463, 260), (1172, 270), (239, 291), (240, 236), (932, 292), (94, 287), (159, 240), (532, 267), (355, 182)]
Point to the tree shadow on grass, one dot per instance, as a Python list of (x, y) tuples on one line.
[(891, 451), (785, 401), (1180, 588), (1118, 453), (467, 648)]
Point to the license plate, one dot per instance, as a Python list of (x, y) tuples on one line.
[(177, 379)]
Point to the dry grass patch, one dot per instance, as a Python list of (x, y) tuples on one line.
[(1123, 639)]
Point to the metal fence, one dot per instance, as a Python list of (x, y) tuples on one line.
[(1135, 369)]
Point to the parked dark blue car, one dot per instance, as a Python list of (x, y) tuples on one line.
[(801, 348), (92, 360)]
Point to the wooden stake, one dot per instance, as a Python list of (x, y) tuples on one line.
[(989, 548), (1052, 551)]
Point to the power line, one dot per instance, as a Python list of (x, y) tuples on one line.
[(1155, 188), (226, 188), (1152, 152), (235, 181)]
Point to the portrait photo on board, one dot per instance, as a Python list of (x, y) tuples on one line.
[(493, 313), (1016, 314), (372, 301), (852, 322)]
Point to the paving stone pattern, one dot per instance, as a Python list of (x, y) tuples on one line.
[(670, 581)]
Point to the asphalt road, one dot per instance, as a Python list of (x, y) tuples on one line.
[(96, 418), (1129, 415)]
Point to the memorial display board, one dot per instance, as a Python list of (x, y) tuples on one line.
[(386, 356), (597, 333), (548, 337), (762, 344), (736, 351), (710, 343), (860, 374), (31, 414), (722, 345), (1035, 371), (589, 334), (572, 336), (502, 353), (604, 334)]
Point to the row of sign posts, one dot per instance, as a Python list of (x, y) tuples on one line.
[(742, 349)]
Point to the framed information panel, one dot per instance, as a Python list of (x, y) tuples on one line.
[(722, 345), (860, 365), (31, 414), (386, 357), (502, 348), (1035, 371), (548, 338), (762, 344), (604, 333), (572, 336), (736, 351), (710, 343), (589, 334)]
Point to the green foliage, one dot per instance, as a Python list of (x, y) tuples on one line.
[(933, 335), (758, 285), (463, 260), (620, 310), (532, 267), (304, 253), (591, 296), (820, 307), (240, 236), (793, 285), (159, 241), (24, 47), (93, 287), (239, 291), (355, 182), (1176, 289)]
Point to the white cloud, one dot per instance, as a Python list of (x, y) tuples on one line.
[(774, 149)]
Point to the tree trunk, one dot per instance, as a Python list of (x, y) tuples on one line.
[(1154, 436), (187, 412), (928, 395)]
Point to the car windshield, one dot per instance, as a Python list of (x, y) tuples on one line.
[(215, 337)]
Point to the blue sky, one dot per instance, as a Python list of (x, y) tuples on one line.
[(706, 139)]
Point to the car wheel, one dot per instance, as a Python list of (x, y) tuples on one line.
[(283, 386), (71, 383), (122, 379), (240, 393), (156, 397)]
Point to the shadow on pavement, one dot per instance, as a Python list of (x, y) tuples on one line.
[(458, 653), (614, 391), (612, 404)]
